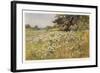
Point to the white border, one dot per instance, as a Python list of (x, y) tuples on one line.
[(60, 62), (44, 12)]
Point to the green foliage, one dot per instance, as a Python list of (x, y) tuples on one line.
[(72, 22), (83, 23), (30, 27), (35, 27), (27, 26)]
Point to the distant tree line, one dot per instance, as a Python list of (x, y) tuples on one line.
[(35, 27), (27, 26)]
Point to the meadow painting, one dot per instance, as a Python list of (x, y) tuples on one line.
[(56, 36)]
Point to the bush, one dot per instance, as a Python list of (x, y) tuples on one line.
[(27, 26)]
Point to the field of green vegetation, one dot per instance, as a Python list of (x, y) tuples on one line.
[(53, 44)]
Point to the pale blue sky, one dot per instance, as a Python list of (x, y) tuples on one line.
[(41, 20)]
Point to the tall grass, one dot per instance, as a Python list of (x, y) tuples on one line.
[(42, 44)]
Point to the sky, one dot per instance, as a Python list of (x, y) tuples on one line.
[(41, 20)]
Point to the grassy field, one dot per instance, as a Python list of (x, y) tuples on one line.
[(53, 44)]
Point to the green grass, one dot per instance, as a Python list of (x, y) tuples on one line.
[(53, 44)]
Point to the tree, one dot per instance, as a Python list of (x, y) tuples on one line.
[(83, 23), (66, 21), (36, 27), (27, 26)]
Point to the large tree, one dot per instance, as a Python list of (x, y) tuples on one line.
[(66, 21), (70, 22)]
